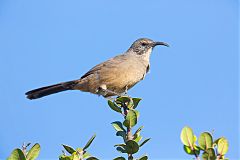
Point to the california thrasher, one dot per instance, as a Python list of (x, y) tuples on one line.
[(110, 78)]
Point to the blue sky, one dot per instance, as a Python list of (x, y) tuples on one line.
[(194, 82)]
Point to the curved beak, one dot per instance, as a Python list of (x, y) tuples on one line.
[(160, 43)]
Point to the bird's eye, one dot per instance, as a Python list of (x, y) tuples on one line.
[(144, 44)]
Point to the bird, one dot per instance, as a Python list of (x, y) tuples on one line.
[(113, 77)]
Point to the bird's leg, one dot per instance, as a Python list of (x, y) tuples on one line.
[(109, 91), (102, 90), (125, 92), (110, 98)]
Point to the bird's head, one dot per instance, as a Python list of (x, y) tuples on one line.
[(144, 46)]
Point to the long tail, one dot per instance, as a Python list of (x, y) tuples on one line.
[(45, 91)]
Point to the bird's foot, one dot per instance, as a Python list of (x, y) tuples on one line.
[(124, 94), (110, 98), (102, 90)]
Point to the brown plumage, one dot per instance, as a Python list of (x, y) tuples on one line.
[(110, 78)]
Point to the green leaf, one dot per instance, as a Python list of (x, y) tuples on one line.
[(79, 150), (121, 149), (69, 149), (222, 146), (195, 138), (123, 99), (119, 158), (205, 140), (86, 155), (122, 134), (215, 142), (126, 101), (120, 145), (138, 130), (137, 113), (136, 135), (114, 107), (131, 147), (187, 137), (197, 149), (64, 157), (145, 141), (144, 157), (118, 126), (92, 158), (191, 152), (209, 154), (135, 102), (89, 142), (16, 154), (28, 144), (74, 156), (130, 104), (188, 150), (138, 139), (130, 119), (33, 152), (205, 156)]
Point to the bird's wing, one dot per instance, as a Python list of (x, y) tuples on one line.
[(109, 63)]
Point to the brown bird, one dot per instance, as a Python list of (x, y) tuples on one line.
[(112, 77)]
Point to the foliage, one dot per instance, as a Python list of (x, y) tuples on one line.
[(204, 147), (131, 142), (24, 154), (211, 150), (79, 153)]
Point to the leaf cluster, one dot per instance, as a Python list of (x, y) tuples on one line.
[(24, 154), (204, 145), (131, 142), (211, 149), (78, 153)]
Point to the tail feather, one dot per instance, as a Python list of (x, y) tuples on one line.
[(45, 91)]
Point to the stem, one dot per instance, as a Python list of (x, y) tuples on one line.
[(125, 109), (80, 154), (129, 134), (197, 157), (130, 157), (219, 157), (24, 149), (129, 137), (129, 131), (195, 153)]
